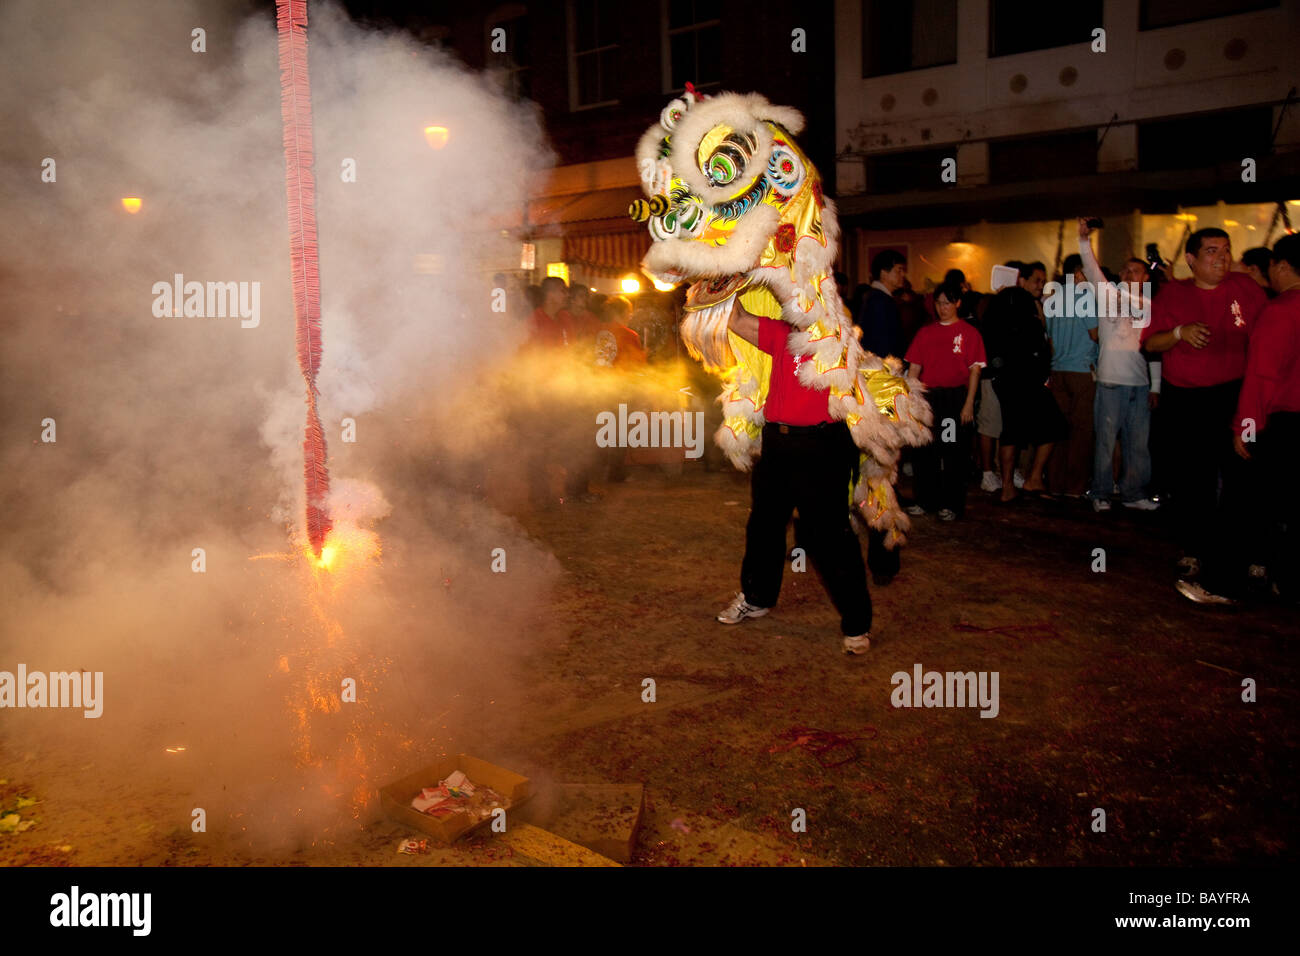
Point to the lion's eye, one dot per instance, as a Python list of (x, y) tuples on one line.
[(727, 162)]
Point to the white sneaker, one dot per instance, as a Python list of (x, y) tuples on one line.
[(1100, 504), (1018, 479), (915, 510), (990, 482), (739, 609), (1194, 592), (1142, 504), (857, 645), (947, 514)]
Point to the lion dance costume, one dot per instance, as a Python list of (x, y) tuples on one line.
[(736, 208)]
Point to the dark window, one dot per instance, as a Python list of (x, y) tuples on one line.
[(901, 35), (694, 43), (1168, 13), (906, 171), (1018, 26), (514, 66), (1043, 157), (595, 52), (1207, 140)]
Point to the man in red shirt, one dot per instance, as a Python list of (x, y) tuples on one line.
[(1203, 326), (1269, 413), (627, 344), (808, 462), (950, 354), (550, 323)]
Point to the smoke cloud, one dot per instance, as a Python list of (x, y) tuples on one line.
[(176, 433)]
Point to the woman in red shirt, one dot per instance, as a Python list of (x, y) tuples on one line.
[(948, 356)]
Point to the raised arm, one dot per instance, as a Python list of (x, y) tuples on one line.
[(1129, 303), (1091, 269)]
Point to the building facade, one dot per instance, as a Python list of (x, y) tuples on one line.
[(599, 72), (970, 132)]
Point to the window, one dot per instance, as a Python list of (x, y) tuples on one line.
[(1206, 140), (1168, 13), (906, 171), (513, 65), (693, 47), (901, 35), (1018, 26), (1043, 157), (593, 63)]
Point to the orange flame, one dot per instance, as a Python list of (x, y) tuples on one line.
[(345, 546)]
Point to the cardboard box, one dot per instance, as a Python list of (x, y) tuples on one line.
[(604, 818), (396, 797)]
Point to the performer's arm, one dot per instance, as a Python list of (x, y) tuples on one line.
[(744, 323)]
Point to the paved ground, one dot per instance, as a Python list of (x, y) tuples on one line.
[(1114, 694)]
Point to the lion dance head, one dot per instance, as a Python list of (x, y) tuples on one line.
[(735, 208)]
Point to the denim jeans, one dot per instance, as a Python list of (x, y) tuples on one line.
[(1121, 410)]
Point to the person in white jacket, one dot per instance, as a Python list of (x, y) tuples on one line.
[(1122, 405)]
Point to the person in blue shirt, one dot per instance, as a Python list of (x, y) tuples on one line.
[(1072, 329)]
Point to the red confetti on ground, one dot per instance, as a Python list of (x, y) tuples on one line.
[(822, 744)]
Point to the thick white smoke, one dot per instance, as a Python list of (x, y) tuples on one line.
[(177, 433)]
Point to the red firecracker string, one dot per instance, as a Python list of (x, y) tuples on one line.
[(295, 110)]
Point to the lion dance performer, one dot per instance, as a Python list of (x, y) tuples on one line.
[(736, 208)]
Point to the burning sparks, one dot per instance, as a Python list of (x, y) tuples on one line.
[(345, 546)]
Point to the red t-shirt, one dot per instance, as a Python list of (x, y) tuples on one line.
[(628, 342), (788, 401), (545, 330), (947, 353), (1229, 309), (1272, 382)]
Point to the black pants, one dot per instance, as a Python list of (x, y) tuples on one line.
[(1276, 455), (808, 469), (940, 467), (1209, 519)]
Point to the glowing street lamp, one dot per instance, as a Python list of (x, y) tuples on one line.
[(131, 204), (631, 285), (436, 136), (663, 286)]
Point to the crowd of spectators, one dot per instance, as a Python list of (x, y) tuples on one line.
[(1132, 388)]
